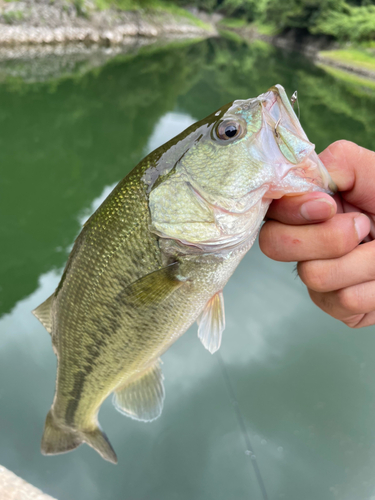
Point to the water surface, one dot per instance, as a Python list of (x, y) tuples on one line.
[(304, 383)]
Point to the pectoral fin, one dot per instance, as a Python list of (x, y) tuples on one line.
[(43, 313), (142, 399), (211, 323), (155, 287)]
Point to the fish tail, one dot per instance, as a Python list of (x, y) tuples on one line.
[(98, 440), (57, 439)]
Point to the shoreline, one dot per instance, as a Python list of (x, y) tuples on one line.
[(40, 63), (40, 26), (313, 47), (354, 69), (30, 22)]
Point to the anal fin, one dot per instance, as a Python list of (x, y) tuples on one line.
[(211, 323), (142, 399), (43, 313)]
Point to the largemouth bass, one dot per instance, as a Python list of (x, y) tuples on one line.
[(156, 256)]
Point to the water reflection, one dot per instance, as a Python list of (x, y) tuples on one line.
[(305, 383)]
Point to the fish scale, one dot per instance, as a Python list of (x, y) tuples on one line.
[(156, 256)]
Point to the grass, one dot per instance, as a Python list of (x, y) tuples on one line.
[(149, 6), (349, 78), (12, 16), (353, 57), (231, 35), (265, 29), (237, 23), (233, 23)]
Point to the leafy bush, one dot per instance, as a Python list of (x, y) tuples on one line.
[(352, 20), (351, 24)]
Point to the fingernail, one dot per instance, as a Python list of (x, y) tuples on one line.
[(362, 226), (316, 210)]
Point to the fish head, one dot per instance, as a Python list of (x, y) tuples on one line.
[(237, 160), (255, 144)]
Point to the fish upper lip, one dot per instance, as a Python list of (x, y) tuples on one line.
[(266, 101)]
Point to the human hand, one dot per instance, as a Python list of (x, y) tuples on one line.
[(338, 272)]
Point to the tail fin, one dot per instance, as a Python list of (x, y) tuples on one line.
[(57, 440)]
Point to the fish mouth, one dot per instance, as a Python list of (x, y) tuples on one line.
[(302, 160)]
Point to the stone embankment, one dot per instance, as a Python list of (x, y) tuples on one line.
[(13, 487), (60, 21)]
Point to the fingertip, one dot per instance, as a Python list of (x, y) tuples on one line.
[(318, 209), (362, 226), (303, 209)]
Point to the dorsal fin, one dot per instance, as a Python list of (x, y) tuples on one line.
[(142, 399), (211, 323), (43, 313)]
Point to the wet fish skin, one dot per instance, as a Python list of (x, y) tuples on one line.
[(157, 254)]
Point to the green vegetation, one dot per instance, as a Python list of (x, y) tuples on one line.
[(347, 23), (349, 78), (354, 58), (233, 22), (12, 16), (344, 20), (169, 6)]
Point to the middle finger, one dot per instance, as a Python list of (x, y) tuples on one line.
[(357, 266)]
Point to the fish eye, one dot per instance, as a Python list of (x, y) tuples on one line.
[(228, 130)]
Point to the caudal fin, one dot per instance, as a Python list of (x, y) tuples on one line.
[(57, 439), (98, 440)]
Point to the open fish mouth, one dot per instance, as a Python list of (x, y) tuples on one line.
[(302, 165)]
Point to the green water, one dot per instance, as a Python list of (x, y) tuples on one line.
[(305, 384)]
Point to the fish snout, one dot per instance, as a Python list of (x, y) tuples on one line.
[(296, 164)]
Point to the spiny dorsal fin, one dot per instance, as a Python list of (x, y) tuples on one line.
[(142, 399), (211, 323), (43, 313)]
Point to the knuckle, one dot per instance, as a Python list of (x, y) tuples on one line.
[(340, 145), (340, 237), (314, 275), (343, 143), (342, 243), (322, 275), (269, 239), (354, 322), (350, 300), (265, 239), (322, 300)]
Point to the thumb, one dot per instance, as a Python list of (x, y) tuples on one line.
[(353, 170)]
